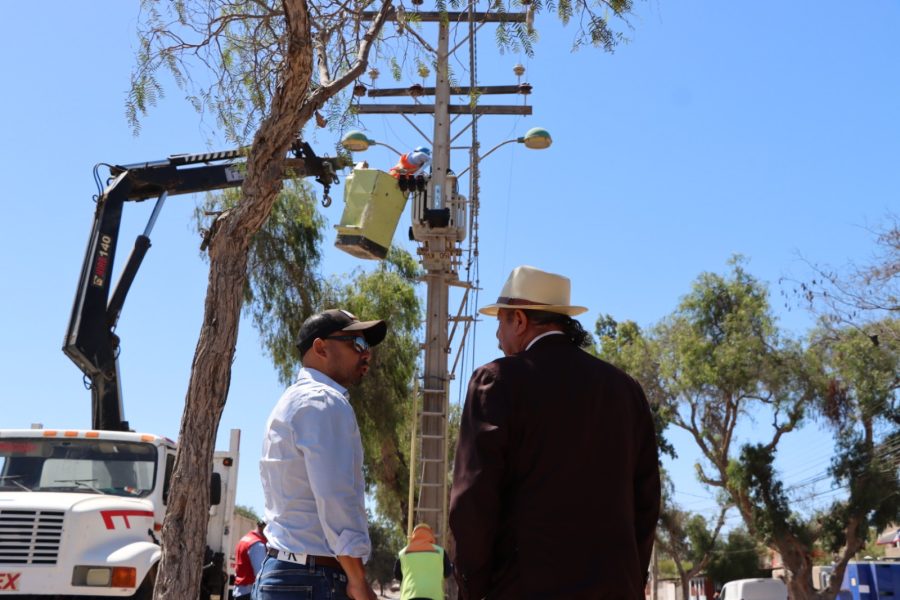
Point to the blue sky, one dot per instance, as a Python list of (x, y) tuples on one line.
[(769, 129)]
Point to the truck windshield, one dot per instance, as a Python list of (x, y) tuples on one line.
[(90, 466)]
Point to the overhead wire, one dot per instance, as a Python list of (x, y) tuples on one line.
[(474, 174)]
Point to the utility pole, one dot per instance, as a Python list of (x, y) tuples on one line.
[(439, 225)]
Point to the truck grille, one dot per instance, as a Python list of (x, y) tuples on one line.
[(30, 537)]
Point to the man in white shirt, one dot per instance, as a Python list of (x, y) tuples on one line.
[(311, 468)]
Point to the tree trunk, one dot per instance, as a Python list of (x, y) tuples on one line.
[(799, 566), (685, 587), (183, 534), (184, 528)]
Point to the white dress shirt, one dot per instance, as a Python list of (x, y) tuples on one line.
[(543, 335), (311, 471)]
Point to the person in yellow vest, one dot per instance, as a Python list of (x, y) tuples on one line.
[(422, 566)]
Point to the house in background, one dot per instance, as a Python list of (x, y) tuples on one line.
[(890, 539)]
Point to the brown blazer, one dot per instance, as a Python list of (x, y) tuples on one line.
[(556, 487)]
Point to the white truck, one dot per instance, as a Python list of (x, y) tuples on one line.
[(81, 513), (754, 589)]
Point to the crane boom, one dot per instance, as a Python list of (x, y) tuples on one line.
[(91, 341)]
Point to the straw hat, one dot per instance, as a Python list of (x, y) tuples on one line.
[(530, 288)]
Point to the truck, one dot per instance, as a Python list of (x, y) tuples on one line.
[(871, 580), (81, 510), (754, 589)]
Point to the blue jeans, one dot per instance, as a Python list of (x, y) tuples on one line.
[(282, 580)]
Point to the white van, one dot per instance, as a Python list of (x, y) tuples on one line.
[(754, 589)]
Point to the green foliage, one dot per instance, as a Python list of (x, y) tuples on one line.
[(715, 361), (721, 355), (856, 393), (396, 71), (625, 346), (738, 557), (684, 537), (248, 512), (770, 512), (283, 286), (387, 541), (226, 55)]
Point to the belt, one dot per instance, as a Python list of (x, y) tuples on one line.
[(304, 559)]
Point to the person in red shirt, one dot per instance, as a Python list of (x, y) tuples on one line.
[(250, 553)]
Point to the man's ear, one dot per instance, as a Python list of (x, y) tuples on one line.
[(319, 347), (520, 321)]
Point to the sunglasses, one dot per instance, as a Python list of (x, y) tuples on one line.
[(359, 342)]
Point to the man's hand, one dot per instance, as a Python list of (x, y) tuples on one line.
[(360, 590), (357, 586)]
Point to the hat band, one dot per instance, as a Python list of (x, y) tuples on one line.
[(519, 301)]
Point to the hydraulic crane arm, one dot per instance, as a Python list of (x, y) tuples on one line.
[(90, 340)]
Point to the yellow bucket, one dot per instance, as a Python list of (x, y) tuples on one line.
[(373, 203)]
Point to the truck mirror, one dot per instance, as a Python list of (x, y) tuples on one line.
[(215, 489)]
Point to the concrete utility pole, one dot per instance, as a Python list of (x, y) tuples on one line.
[(439, 225)]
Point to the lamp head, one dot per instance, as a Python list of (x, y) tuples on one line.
[(356, 141), (536, 138)]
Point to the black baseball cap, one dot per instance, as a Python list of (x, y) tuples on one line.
[(323, 324)]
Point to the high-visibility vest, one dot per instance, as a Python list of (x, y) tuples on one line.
[(423, 573), (243, 570)]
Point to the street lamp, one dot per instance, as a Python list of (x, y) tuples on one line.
[(535, 138), (356, 141)]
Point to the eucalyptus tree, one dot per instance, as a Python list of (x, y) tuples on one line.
[(719, 362), (263, 69), (687, 538), (854, 371), (714, 364), (715, 360), (855, 381)]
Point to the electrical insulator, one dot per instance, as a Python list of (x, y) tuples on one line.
[(359, 90), (519, 70)]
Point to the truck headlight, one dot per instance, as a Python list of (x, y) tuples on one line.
[(98, 577), (105, 576)]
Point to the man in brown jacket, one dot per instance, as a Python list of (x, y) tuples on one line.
[(556, 486)]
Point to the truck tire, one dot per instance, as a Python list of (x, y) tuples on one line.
[(145, 591)]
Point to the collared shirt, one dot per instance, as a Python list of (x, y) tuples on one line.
[(543, 335), (257, 554), (311, 471)]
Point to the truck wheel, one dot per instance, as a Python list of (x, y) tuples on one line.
[(145, 591)]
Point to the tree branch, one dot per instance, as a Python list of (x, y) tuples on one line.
[(321, 94)]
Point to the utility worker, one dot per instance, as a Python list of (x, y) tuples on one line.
[(422, 567), (249, 555), (411, 162)]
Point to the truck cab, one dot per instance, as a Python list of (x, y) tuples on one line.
[(81, 512)]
